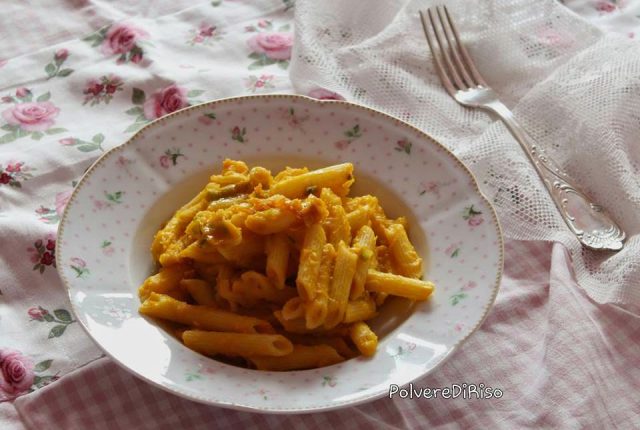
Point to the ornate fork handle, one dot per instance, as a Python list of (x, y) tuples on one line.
[(589, 222)]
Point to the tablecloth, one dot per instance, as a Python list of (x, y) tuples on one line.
[(68, 78)]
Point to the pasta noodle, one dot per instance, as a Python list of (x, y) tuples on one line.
[(281, 271)]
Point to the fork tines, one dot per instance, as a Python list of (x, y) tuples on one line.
[(453, 63)]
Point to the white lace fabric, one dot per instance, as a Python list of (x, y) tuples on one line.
[(574, 89)]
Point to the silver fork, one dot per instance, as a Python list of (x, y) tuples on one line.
[(591, 224)]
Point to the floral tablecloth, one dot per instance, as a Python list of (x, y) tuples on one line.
[(80, 77)]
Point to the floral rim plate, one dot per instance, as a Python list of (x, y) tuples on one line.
[(106, 231)]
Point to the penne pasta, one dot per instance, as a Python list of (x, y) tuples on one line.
[(364, 338), (339, 178), (203, 317), (277, 248), (310, 256), (316, 309), (365, 243), (293, 309), (403, 253), (336, 224), (167, 279), (200, 290), (302, 357), (358, 218), (253, 287), (340, 288), (270, 221), (360, 310), (280, 271), (398, 285), (237, 344)]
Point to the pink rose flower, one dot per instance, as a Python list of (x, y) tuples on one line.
[(322, 94), (3, 62), (14, 167), (263, 23), (32, 116), (206, 30), (342, 144), (79, 262), (205, 120), (61, 201), (276, 46), (605, 6), (67, 141), (22, 92), (470, 286), (61, 54), (93, 87), (136, 58), (165, 161), (475, 221), (16, 371), (121, 38), (37, 313), (167, 100)]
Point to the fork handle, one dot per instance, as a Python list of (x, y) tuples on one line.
[(589, 221)]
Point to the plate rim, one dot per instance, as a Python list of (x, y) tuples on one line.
[(305, 99)]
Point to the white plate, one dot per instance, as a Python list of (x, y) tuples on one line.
[(107, 228)]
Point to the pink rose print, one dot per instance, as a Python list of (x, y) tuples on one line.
[(259, 83), (61, 201), (469, 286), (165, 101), (37, 314), (605, 6), (207, 118), (276, 46), (61, 54), (62, 318), (16, 371), (54, 68), (294, 119), (3, 62), (453, 250), (101, 89), (170, 158), (322, 94), (204, 35), (109, 200), (23, 92), (270, 48), (239, 134), (352, 134), (403, 145), (162, 102), (107, 249), (29, 117), (121, 39), (32, 116), (43, 253), (472, 216), (84, 145), (79, 266), (261, 25), (52, 215), (14, 173), (342, 144), (329, 381)]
